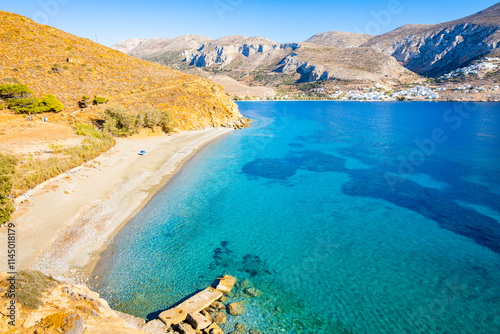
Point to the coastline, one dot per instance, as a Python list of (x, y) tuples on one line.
[(64, 224)]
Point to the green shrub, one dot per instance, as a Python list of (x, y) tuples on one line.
[(120, 122), (99, 100), (27, 105), (7, 169), (155, 118), (50, 103)]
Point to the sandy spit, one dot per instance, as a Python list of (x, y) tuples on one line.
[(63, 224)]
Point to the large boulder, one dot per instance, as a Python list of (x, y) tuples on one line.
[(198, 321)]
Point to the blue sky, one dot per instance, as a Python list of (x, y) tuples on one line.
[(283, 21)]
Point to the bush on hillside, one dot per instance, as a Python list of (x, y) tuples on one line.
[(50, 103), (27, 105), (120, 122), (156, 118), (99, 100)]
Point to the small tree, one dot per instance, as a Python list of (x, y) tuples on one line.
[(120, 122)]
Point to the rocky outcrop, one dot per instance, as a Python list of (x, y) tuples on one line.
[(245, 54), (433, 50)]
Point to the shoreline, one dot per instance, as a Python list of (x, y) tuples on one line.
[(64, 225)]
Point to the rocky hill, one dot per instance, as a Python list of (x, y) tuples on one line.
[(433, 50), (51, 61), (339, 39), (324, 56), (397, 57)]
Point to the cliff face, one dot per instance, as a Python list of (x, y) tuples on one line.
[(51, 61), (433, 50)]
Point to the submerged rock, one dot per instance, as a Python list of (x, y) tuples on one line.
[(240, 327), (253, 265), (236, 308), (245, 284), (253, 292), (255, 331)]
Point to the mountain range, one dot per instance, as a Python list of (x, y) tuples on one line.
[(399, 56)]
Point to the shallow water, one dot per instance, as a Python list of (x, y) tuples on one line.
[(350, 217)]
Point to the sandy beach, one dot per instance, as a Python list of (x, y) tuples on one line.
[(63, 224)]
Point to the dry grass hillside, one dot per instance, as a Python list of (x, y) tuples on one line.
[(47, 306), (51, 61)]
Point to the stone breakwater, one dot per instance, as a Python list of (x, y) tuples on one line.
[(203, 313)]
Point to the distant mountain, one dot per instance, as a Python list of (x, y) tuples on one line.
[(396, 57), (432, 50), (51, 61), (338, 39), (334, 56)]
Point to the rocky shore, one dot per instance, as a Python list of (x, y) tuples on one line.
[(45, 305)]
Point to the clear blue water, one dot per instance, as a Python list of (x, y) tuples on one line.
[(350, 217)]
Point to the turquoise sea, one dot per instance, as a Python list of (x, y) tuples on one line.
[(349, 217)]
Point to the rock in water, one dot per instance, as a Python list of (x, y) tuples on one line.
[(255, 331), (198, 321), (253, 292), (236, 308), (218, 305), (240, 327), (220, 318), (245, 284), (213, 329)]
